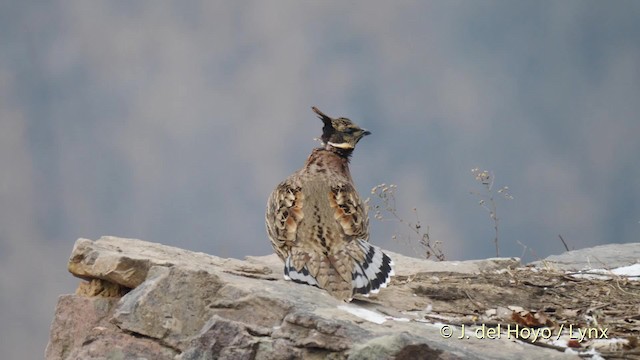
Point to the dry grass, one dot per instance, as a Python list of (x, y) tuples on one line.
[(385, 210), (487, 199)]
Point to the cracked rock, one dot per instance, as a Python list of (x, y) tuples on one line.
[(146, 300)]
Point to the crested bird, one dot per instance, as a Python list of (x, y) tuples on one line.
[(318, 225)]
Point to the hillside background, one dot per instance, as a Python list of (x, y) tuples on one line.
[(172, 122)]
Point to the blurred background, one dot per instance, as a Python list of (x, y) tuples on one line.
[(173, 121)]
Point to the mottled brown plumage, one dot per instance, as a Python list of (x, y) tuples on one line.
[(318, 224)]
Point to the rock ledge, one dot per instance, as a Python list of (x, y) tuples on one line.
[(146, 300)]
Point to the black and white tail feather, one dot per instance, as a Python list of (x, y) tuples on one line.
[(368, 277)]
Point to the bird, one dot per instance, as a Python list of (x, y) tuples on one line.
[(318, 225)]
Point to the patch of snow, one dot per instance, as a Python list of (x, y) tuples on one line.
[(363, 313), (615, 344), (562, 342), (400, 319), (438, 316), (631, 272)]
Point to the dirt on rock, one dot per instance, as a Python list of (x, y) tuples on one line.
[(582, 310)]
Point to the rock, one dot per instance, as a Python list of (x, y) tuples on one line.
[(222, 338), (146, 300), (82, 330), (599, 257)]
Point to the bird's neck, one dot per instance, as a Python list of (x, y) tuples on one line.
[(344, 153), (323, 161)]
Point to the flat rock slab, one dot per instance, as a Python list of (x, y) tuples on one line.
[(146, 300), (599, 257)]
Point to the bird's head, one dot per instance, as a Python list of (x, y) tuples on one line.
[(340, 133)]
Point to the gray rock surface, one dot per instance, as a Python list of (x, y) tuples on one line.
[(598, 257), (146, 300)]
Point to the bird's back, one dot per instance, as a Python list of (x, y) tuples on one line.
[(319, 226)]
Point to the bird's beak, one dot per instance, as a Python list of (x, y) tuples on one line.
[(365, 133)]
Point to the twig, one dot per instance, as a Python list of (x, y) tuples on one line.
[(473, 301), (387, 195), (563, 243), (487, 178)]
